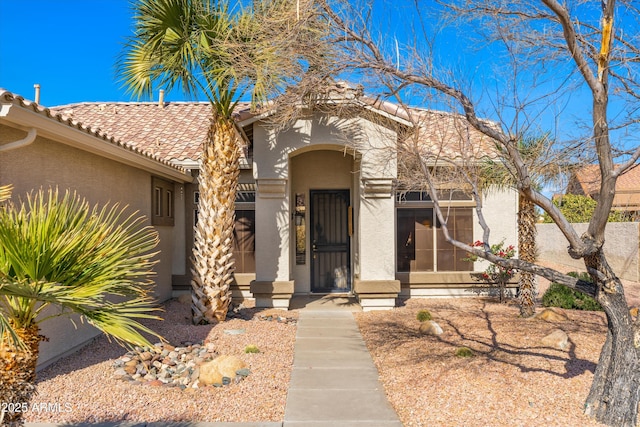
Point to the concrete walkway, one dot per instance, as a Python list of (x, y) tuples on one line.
[(333, 383)]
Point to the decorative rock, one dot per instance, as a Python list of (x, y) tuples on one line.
[(552, 314), (120, 372), (223, 366), (556, 339), (244, 372), (161, 365), (131, 370), (184, 298), (234, 331), (633, 312), (430, 328)]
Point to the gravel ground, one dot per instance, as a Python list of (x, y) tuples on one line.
[(82, 388), (513, 380)]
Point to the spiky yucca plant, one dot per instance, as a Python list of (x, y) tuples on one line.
[(58, 251)]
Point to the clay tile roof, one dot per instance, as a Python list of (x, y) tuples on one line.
[(80, 123), (450, 136), (627, 186), (174, 132)]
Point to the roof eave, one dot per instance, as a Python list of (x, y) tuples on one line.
[(22, 117)]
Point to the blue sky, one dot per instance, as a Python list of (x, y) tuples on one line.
[(69, 47)]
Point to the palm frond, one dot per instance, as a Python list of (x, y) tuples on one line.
[(5, 192), (57, 250), (8, 335)]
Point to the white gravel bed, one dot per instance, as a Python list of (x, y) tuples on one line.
[(82, 387)]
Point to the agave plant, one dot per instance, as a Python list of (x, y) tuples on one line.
[(58, 251)]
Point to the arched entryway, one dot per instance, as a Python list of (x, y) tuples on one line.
[(322, 231)]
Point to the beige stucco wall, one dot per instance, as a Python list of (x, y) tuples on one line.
[(47, 163), (499, 208), (320, 153), (622, 240)]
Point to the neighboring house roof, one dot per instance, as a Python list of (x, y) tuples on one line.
[(586, 181), (16, 110)]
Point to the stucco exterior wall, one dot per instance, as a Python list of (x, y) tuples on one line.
[(500, 210), (622, 240), (323, 153), (46, 163)]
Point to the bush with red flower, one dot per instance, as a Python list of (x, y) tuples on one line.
[(495, 275)]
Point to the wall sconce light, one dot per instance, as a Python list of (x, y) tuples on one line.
[(298, 219)]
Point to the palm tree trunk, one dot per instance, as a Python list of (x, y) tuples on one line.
[(527, 252), (212, 257), (18, 374)]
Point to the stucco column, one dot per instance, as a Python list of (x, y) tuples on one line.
[(272, 287), (272, 229), (376, 286), (377, 237)]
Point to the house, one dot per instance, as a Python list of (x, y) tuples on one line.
[(586, 182), (319, 208), (39, 148)]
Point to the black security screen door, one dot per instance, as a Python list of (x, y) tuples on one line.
[(330, 268)]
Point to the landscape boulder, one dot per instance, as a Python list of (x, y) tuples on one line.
[(223, 366), (556, 339), (552, 314), (430, 328), (185, 298)]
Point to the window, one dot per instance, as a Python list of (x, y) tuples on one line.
[(244, 247), (162, 202), (244, 229), (420, 242)]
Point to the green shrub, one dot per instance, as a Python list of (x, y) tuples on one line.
[(579, 208), (251, 349), (561, 296), (423, 316), (464, 352)]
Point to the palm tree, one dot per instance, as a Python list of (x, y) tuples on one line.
[(57, 251), (208, 49), (534, 152)]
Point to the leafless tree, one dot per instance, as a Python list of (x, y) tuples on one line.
[(576, 62)]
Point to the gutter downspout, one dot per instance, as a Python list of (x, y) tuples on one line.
[(31, 136)]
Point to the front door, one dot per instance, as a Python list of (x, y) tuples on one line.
[(330, 265)]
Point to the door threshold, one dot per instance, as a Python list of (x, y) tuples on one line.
[(332, 294)]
